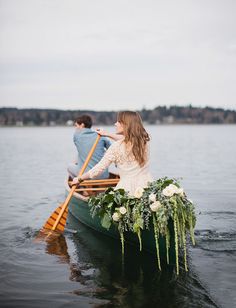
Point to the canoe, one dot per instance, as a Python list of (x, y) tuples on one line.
[(79, 209)]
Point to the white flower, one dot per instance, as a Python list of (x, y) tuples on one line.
[(122, 210), (155, 206), (152, 197), (174, 188), (180, 192), (116, 216), (138, 192), (170, 190)]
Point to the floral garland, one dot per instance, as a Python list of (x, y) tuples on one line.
[(159, 202)]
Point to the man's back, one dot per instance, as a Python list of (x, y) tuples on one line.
[(84, 140)]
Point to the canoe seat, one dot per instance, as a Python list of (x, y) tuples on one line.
[(92, 187)]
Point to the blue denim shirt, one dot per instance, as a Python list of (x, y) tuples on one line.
[(84, 140)]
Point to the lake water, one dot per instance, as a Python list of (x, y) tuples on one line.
[(85, 269)]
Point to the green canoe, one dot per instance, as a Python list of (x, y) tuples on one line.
[(79, 209)]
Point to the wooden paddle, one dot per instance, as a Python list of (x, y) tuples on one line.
[(57, 221)]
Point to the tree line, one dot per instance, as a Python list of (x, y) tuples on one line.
[(159, 115)]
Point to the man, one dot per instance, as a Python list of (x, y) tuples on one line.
[(84, 138)]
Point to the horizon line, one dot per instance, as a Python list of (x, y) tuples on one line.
[(143, 108)]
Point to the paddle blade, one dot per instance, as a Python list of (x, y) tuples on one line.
[(51, 220), (46, 234)]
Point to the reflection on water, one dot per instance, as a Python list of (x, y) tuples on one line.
[(56, 245), (97, 264)]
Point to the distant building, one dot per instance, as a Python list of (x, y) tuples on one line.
[(168, 119), (69, 123), (19, 123)]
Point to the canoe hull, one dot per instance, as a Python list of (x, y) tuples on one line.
[(79, 209)]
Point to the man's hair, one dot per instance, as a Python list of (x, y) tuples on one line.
[(85, 119)]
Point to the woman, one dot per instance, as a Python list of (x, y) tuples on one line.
[(129, 152)]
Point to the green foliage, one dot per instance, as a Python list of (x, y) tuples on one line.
[(159, 202)]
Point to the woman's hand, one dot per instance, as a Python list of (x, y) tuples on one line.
[(76, 181), (101, 132)]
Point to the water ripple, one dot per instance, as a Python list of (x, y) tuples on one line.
[(215, 241)]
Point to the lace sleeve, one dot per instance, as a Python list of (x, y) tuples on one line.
[(109, 157)]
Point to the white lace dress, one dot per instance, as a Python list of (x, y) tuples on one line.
[(132, 176)]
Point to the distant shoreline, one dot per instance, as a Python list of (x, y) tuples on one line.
[(109, 125), (161, 115)]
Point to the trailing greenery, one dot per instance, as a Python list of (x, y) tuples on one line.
[(156, 204)]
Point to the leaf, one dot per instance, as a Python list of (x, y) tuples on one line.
[(108, 198), (121, 191), (109, 189), (117, 199), (167, 182), (109, 206), (136, 227), (139, 221), (106, 221)]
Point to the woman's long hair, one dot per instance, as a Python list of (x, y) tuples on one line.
[(135, 134)]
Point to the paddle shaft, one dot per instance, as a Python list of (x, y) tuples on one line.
[(74, 187)]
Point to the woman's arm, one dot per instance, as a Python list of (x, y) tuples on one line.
[(109, 157), (102, 132)]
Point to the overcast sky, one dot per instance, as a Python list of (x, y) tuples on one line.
[(112, 55)]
